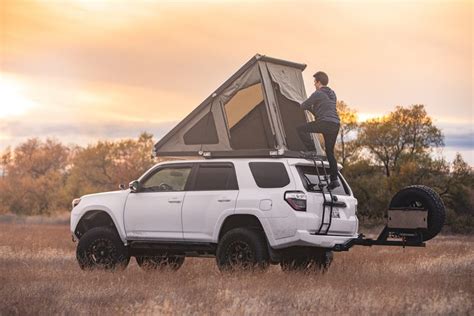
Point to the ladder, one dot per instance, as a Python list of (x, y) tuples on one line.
[(328, 198)]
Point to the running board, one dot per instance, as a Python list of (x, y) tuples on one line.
[(146, 247)]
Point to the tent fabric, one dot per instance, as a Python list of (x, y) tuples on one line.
[(290, 81), (256, 109)]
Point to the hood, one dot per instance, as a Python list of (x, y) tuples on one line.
[(329, 92), (106, 193)]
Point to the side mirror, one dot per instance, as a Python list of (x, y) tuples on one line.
[(122, 186), (134, 186)]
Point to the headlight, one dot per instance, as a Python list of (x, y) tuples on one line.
[(75, 202)]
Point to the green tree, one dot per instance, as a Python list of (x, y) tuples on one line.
[(405, 132)]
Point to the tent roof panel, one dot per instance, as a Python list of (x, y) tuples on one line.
[(224, 86)]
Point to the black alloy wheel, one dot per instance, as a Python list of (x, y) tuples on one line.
[(101, 248), (242, 249)]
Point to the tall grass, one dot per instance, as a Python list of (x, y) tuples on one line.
[(39, 275)]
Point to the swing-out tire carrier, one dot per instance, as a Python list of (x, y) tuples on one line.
[(361, 241)]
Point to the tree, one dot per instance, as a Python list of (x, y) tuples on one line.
[(34, 174), (346, 147), (105, 165), (405, 132)]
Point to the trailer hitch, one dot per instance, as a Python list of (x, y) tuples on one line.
[(407, 239)]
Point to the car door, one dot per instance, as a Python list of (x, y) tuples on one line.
[(154, 212), (213, 193)]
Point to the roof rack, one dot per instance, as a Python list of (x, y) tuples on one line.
[(250, 153)]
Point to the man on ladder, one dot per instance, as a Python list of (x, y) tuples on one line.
[(322, 104)]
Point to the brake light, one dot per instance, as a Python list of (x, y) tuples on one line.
[(297, 200)]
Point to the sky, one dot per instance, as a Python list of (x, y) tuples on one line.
[(84, 70)]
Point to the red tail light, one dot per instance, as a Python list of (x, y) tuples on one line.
[(297, 200)]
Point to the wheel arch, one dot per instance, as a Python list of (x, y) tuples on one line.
[(95, 218), (240, 220)]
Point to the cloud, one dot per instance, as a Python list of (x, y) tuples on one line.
[(81, 133), (464, 141)]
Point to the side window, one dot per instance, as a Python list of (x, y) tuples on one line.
[(269, 174), (167, 179), (215, 177)]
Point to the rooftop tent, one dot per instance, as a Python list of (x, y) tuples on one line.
[(253, 114)]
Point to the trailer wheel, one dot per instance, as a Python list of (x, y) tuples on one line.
[(425, 197)]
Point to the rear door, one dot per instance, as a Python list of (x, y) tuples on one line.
[(213, 192), (343, 220)]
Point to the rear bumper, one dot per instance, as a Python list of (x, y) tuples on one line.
[(305, 238)]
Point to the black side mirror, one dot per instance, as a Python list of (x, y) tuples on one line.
[(134, 186)]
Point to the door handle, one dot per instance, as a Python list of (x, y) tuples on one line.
[(174, 201), (223, 200)]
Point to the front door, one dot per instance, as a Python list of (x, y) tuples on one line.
[(154, 212)]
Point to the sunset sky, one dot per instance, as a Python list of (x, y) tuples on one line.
[(84, 70)]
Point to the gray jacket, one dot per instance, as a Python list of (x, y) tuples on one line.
[(322, 103)]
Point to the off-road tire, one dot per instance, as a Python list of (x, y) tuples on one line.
[(426, 197), (164, 262), (101, 248), (319, 261), (242, 249)]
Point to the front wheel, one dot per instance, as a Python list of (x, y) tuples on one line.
[(101, 248), (242, 249)]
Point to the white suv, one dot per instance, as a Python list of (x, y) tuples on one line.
[(245, 212)]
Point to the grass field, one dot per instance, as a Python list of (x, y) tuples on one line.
[(39, 275)]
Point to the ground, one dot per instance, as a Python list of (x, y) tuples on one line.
[(39, 275)]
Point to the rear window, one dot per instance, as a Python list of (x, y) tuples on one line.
[(215, 177), (269, 174), (309, 173)]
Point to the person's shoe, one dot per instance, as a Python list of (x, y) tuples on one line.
[(334, 184)]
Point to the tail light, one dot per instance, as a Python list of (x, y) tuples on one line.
[(297, 200)]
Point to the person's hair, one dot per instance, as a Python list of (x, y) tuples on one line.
[(321, 77)]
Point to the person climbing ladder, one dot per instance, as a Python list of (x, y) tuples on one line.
[(322, 104)]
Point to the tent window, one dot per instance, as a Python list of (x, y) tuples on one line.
[(203, 132), (247, 119)]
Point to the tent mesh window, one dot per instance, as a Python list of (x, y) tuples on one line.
[(203, 132), (247, 119), (292, 116)]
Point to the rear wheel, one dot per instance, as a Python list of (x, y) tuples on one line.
[(101, 248), (242, 249), (318, 261), (421, 196), (163, 262)]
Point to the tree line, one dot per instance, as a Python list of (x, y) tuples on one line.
[(379, 157)]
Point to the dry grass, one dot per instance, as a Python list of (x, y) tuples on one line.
[(39, 275)]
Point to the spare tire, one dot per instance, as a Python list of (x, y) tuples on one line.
[(423, 197)]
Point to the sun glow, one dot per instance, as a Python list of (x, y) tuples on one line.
[(12, 99)]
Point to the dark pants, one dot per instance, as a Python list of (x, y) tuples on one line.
[(329, 131)]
